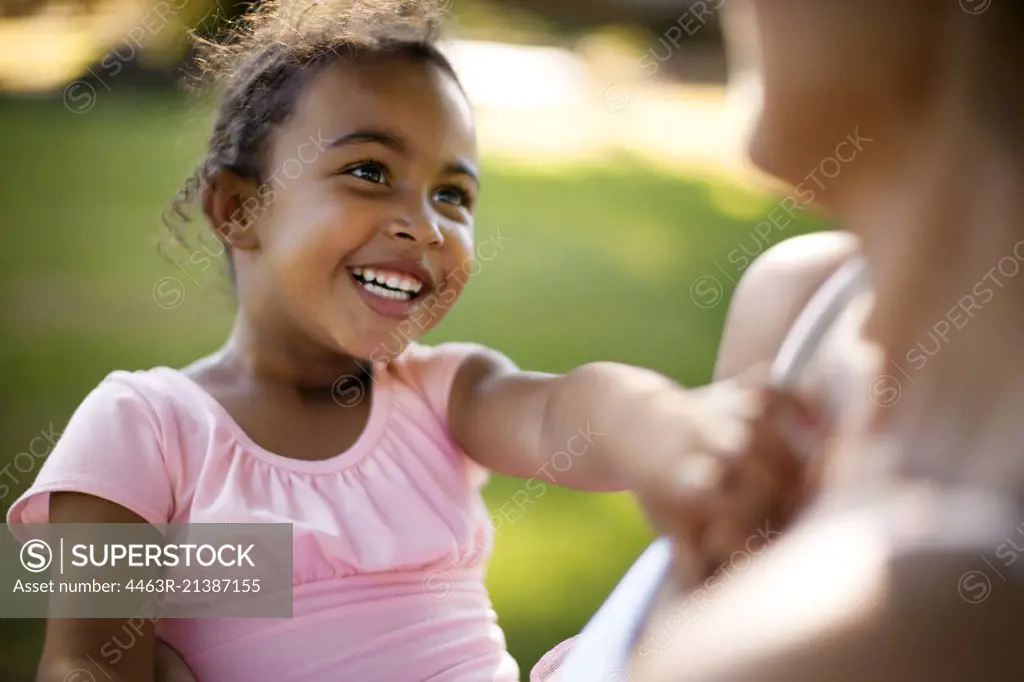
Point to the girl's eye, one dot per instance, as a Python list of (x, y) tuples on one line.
[(453, 195), (370, 171)]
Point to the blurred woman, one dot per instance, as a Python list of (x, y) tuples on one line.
[(904, 566)]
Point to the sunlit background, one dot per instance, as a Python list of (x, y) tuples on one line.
[(612, 170)]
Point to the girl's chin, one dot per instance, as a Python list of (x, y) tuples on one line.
[(375, 347)]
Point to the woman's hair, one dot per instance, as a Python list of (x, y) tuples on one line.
[(998, 55), (271, 55)]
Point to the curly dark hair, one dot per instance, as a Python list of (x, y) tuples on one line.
[(272, 53)]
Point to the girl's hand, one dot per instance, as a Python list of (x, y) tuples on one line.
[(717, 468)]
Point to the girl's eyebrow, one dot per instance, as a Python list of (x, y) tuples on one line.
[(369, 135), (461, 168)]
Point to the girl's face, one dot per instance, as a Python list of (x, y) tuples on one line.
[(836, 77), (364, 235)]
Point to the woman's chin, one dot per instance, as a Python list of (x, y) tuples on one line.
[(763, 150)]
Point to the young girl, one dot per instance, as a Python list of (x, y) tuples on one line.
[(342, 177)]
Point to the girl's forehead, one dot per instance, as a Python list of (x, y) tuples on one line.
[(415, 100)]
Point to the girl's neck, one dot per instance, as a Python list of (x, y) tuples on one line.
[(944, 237), (284, 359)]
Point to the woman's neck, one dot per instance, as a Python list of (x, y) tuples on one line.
[(945, 243)]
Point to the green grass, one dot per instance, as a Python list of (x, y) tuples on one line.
[(598, 264)]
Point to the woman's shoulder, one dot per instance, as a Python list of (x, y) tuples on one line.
[(773, 291), (907, 581)]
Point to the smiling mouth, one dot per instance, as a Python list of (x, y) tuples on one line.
[(389, 284)]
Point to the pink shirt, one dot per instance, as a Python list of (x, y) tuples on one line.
[(390, 538)]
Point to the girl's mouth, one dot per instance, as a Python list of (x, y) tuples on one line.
[(388, 284)]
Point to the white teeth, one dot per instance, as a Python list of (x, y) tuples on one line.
[(384, 283), (386, 293)]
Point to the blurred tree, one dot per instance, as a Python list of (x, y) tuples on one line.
[(577, 15), (567, 15), (25, 8)]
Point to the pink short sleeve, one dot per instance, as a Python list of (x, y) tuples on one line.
[(432, 370), (111, 448)]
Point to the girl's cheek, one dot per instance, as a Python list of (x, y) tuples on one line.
[(329, 233), (308, 256), (461, 258)]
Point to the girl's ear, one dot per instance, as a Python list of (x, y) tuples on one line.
[(231, 205)]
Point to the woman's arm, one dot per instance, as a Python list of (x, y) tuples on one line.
[(85, 648)]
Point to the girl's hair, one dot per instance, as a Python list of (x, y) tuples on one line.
[(271, 54)]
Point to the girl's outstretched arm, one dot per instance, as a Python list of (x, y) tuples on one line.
[(602, 425), (605, 426), (545, 426)]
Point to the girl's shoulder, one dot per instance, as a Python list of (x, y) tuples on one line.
[(119, 444), (135, 400), (420, 358), (427, 373), (430, 370), (162, 393)]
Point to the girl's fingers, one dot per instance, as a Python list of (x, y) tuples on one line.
[(743, 471), (770, 464), (739, 531), (724, 540), (685, 517), (664, 483), (763, 486), (678, 482), (754, 485), (725, 435), (800, 424), (759, 476), (756, 480), (728, 400)]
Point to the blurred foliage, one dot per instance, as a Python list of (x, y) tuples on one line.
[(169, 47), (599, 266)]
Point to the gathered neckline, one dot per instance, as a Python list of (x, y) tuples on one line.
[(380, 405)]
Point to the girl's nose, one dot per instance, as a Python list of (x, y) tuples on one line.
[(420, 229)]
